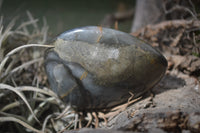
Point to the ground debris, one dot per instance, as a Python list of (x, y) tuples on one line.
[(170, 122), (176, 108), (179, 39)]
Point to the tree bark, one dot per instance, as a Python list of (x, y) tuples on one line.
[(147, 12)]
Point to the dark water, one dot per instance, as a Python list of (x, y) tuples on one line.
[(62, 15)]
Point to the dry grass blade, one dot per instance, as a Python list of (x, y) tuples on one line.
[(5, 119), (10, 106), (40, 109), (3, 114), (7, 31), (116, 110), (3, 62), (9, 73), (63, 113), (30, 16), (27, 23), (45, 122), (44, 31), (66, 127), (35, 89), (4, 86)]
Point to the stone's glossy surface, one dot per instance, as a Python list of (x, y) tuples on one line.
[(95, 68)]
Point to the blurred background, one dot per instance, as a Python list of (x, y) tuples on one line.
[(62, 15)]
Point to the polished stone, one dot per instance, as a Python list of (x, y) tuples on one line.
[(95, 68)]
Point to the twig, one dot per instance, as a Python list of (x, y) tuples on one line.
[(193, 7), (163, 25), (178, 7), (177, 39), (89, 119), (120, 108), (96, 119), (75, 121)]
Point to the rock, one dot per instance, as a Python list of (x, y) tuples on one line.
[(95, 68)]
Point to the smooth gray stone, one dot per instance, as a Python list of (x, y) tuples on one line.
[(95, 68)]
